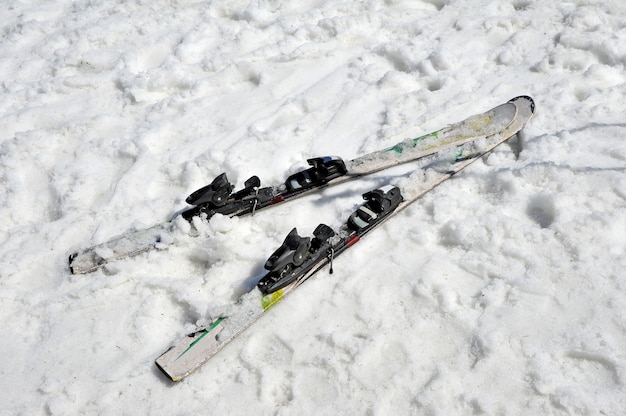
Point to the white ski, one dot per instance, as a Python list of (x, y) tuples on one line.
[(193, 350), (137, 242)]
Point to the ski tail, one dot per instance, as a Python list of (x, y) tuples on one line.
[(127, 245)]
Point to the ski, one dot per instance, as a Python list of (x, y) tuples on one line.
[(299, 258), (218, 196)]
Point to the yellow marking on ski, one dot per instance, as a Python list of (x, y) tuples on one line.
[(272, 299)]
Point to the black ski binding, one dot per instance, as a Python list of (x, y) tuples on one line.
[(379, 203), (295, 257), (323, 170), (218, 196), (216, 193), (293, 251)]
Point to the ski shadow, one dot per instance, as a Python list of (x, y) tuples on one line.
[(353, 190), (162, 378), (248, 284), (347, 191)]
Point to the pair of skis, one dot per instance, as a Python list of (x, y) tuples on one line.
[(440, 154)]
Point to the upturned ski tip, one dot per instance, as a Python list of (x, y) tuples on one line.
[(527, 98)]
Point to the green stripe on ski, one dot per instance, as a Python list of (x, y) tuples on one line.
[(204, 333), (400, 147)]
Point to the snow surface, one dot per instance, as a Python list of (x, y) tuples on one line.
[(500, 292)]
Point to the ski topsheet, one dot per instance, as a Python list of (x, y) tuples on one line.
[(300, 258), (325, 171)]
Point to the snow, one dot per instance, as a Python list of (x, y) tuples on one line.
[(500, 292)]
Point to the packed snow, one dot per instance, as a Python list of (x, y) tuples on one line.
[(502, 291)]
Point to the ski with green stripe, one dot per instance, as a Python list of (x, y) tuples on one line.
[(299, 258), (219, 196)]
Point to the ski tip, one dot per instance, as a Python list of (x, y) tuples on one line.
[(528, 98)]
